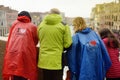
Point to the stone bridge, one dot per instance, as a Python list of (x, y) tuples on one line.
[(2, 49)]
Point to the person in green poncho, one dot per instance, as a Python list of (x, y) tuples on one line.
[(53, 36)]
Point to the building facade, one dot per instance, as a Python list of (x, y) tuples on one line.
[(106, 15), (7, 16)]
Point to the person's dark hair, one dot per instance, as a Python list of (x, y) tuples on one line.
[(106, 33), (25, 13)]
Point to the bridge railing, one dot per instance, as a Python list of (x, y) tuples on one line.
[(4, 31), (3, 38)]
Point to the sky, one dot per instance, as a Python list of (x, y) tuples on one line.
[(71, 8)]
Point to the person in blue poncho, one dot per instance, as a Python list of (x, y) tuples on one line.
[(88, 58)]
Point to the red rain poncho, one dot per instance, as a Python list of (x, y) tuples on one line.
[(21, 56)]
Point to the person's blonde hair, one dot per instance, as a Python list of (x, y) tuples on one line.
[(54, 11), (79, 23)]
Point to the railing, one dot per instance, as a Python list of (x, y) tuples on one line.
[(3, 38), (4, 31)]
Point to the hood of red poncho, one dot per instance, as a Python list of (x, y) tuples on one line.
[(24, 19)]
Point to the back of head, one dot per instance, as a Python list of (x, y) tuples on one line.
[(107, 33), (54, 11), (104, 32), (53, 17), (25, 13), (79, 23)]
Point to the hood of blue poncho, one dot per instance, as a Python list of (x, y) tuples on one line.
[(85, 31)]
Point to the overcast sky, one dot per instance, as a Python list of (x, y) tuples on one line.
[(72, 8)]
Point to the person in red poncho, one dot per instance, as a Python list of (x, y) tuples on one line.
[(20, 59)]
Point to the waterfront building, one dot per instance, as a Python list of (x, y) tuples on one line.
[(106, 15), (7, 16)]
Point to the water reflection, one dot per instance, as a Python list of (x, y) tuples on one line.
[(71, 29)]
